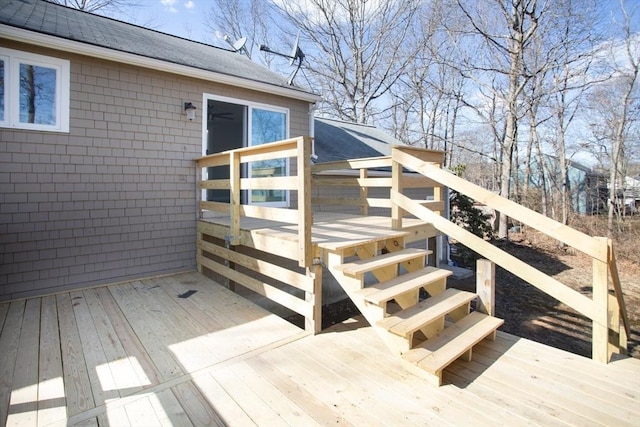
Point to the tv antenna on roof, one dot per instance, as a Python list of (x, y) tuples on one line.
[(296, 55), (239, 45)]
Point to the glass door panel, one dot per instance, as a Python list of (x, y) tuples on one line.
[(268, 126)]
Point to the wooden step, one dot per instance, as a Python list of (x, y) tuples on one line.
[(358, 268), (381, 293), (407, 321), (437, 353)]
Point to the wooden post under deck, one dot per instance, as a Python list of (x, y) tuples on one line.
[(314, 324), (486, 286)]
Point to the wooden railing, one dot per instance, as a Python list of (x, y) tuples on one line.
[(363, 184), (296, 148), (607, 312)]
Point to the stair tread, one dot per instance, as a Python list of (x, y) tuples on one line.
[(437, 353), (358, 268), (380, 293), (409, 320)]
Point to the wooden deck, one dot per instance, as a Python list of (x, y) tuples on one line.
[(138, 354), (330, 231)]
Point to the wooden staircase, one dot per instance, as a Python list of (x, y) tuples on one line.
[(429, 334)]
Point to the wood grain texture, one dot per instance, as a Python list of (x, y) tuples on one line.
[(254, 368)]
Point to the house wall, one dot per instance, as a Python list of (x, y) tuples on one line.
[(115, 198)]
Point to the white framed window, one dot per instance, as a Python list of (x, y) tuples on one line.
[(34, 91)]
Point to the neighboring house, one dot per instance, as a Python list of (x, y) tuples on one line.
[(631, 194), (97, 174), (588, 188)]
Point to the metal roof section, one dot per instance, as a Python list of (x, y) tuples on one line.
[(59, 27)]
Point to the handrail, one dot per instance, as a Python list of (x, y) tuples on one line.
[(297, 148), (559, 231), (517, 267), (600, 251)]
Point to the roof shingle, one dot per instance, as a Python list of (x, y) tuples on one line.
[(52, 19)]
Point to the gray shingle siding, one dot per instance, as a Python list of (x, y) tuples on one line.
[(115, 198)]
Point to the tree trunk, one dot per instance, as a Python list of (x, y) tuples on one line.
[(510, 136)]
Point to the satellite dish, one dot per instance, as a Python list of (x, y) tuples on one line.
[(239, 45), (296, 54)]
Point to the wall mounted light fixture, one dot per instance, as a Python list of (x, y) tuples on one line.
[(190, 109)]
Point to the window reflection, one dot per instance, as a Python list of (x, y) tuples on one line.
[(268, 126), (37, 94)]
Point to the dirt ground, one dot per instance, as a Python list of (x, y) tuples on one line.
[(532, 314)]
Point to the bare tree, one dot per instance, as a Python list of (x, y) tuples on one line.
[(99, 6), (616, 110), (358, 50), (502, 30), (563, 60), (244, 18)]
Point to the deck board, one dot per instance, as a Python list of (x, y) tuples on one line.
[(51, 398), (152, 358), (9, 340), (24, 396)]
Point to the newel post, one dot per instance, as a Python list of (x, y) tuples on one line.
[(600, 337), (486, 286), (305, 212)]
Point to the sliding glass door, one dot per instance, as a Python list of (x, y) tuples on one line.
[(233, 123)]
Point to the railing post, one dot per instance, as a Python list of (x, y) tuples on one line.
[(396, 185), (486, 286), (234, 207), (364, 193), (305, 213), (600, 338)]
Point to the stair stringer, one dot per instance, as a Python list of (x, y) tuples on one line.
[(373, 313), (427, 358)]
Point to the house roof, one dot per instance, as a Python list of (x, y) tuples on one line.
[(88, 30), (337, 140)]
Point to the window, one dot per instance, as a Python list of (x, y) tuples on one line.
[(34, 91)]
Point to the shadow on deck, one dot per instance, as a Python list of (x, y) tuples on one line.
[(138, 354)]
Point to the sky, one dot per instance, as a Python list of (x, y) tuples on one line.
[(184, 18)]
